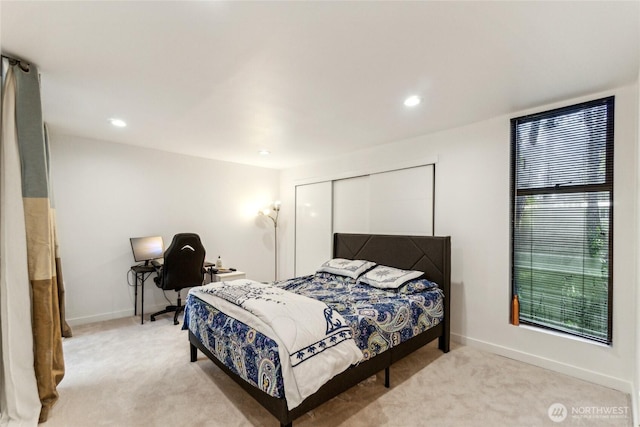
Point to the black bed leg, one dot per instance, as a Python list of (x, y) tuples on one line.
[(386, 377), (194, 352), (443, 343), (286, 425)]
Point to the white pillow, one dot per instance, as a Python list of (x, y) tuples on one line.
[(346, 267), (385, 277)]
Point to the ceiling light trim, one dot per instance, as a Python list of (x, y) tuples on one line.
[(412, 101), (119, 123)]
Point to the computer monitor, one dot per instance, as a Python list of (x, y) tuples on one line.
[(147, 248)]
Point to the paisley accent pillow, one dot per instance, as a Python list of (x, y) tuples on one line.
[(417, 286), (385, 277), (346, 267)]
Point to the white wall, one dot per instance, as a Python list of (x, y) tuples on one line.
[(472, 206), (106, 193)]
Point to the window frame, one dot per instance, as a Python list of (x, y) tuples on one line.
[(608, 186)]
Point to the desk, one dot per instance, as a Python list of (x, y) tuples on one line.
[(141, 274)]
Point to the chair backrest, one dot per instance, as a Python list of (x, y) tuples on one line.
[(183, 265)]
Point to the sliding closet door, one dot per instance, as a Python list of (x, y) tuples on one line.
[(313, 227), (351, 205), (401, 201), (394, 202)]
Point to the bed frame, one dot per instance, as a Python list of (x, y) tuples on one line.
[(429, 254)]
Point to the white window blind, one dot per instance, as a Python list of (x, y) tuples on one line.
[(561, 218)]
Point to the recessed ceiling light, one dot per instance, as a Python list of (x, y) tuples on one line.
[(264, 152), (118, 122), (412, 101)]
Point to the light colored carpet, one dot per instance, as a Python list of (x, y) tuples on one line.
[(121, 373)]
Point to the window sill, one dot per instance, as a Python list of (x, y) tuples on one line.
[(563, 335)]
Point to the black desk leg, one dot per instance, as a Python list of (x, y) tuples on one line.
[(142, 302), (135, 293), (141, 274), (139, 282)]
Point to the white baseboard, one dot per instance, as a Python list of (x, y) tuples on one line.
[(77, 321), (563, 368)]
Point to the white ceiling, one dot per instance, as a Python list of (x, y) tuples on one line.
[(307, 80)]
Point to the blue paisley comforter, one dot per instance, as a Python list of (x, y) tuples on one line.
[(379, 319)]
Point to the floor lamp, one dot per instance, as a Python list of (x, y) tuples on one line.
[(274, 218)]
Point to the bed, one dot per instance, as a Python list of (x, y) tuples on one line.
[(260, 379)]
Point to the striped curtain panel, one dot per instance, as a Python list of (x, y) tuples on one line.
[(19, 402), (43, 263)]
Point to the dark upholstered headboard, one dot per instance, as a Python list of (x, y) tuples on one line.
[(425, 253)]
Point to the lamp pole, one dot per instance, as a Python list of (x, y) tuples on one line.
[(276, 208), (266, 212)]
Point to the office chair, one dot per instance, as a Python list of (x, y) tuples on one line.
[(183, 267)]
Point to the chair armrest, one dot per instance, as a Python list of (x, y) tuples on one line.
[(158, 279)]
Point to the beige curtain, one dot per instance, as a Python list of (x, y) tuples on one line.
[(45, 278), (19, 401)]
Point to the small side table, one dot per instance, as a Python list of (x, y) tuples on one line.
[(223, 277)]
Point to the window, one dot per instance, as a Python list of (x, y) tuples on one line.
[(562, 218)]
